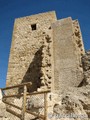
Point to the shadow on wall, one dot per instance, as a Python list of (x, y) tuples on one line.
[(33, 73)]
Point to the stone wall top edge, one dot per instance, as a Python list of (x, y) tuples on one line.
[(60, 21), (75, 20), (37, 15)]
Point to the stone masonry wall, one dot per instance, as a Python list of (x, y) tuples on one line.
[(78, 37), (86, 68), (67, 55), (46, 51), (31, 51)]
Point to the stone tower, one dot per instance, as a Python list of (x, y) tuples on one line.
[(31, 51), (45, 51)]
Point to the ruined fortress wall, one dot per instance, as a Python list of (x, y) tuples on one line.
[(46, 52), (67, 55), (31, 51)]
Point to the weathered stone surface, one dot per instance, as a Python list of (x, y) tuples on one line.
[(0, 96), (67, 56), (86, 68), (31, 51), (73, 102), (46, 52), (77, 36)]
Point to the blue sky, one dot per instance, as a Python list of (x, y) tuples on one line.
[(11, 9)]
